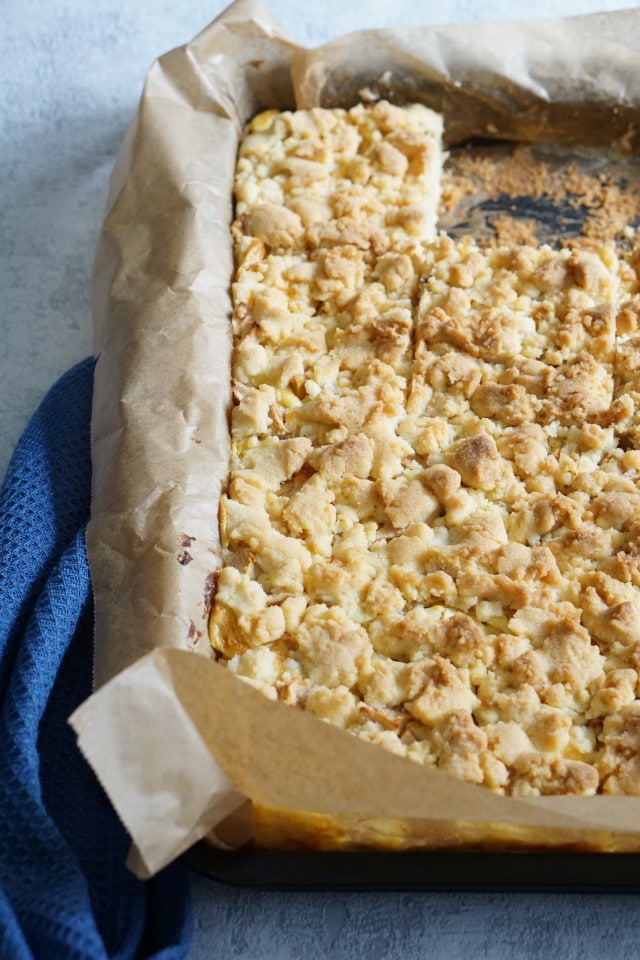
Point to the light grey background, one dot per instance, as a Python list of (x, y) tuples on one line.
[(70, 76)]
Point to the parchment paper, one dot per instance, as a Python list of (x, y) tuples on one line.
[(179, 743)]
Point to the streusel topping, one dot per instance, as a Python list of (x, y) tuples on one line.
[(431, 531)]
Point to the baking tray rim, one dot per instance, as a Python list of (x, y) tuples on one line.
[(481, 871)]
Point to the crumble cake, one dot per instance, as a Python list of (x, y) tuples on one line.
[(431, 529)]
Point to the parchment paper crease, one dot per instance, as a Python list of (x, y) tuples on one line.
[(178, 743)]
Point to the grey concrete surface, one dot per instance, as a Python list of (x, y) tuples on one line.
[(247, 925), (70, 76)]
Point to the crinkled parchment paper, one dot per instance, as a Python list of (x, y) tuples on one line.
[(178, 742)]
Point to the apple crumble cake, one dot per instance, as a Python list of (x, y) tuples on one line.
[(431, 532)]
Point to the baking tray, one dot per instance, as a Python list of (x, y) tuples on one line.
[(506, 192), (492, 192), (439, 870)]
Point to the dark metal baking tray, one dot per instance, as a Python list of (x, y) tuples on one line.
[(441, 870), (555, 219), (573, 193)]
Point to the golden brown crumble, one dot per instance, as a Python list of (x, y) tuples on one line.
[(431, 532)]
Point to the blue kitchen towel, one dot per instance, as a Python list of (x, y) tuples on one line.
[(65, 893)]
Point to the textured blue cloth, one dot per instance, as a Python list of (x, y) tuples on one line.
[(65, 893)]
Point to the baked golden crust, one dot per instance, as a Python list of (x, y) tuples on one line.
[(431, 531)]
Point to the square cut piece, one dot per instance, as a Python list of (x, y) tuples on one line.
[(515, 334), (331, 206)]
